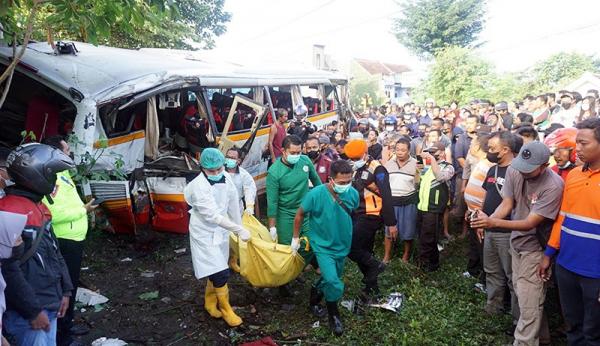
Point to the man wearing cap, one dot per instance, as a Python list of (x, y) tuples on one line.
[(301, 127), (505, 116), (215, 211), (376, 210), (319, 160), (434, 193), (531, 195)]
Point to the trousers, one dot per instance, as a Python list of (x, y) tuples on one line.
[(580, 302), (330, 282)]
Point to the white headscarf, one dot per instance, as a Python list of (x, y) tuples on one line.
[(11, 227)]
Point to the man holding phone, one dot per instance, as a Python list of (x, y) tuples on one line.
[(70, 223)]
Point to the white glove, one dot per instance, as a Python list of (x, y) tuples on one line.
[(273, 232), (244, 234), (249, 209), (295, 245)]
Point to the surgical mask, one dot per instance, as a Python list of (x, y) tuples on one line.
[(230, 163), (338, 188), (566, 165), (18, 251), (8, 182), (313, 154), (358, 164), (292, 159), (493, 157), (389, 128), (585, 106), (215, 178)]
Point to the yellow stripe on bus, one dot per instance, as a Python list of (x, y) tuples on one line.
[(265, 131), (168, 197), (120, 140)]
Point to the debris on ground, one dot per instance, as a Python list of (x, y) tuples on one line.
[(149, 295), (393, 302), (104, 341), (180, 251), (89, 297), (149, 274), (126, 259)]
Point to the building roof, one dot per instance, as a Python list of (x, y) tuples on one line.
[(376, 67), (585, 82)]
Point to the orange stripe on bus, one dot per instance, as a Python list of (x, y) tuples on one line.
[(122, 139), (168, 197)]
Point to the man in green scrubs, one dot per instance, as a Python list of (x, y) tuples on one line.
[(287, 184), (329, 209)]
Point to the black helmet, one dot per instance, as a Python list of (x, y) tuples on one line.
[(34, 166)]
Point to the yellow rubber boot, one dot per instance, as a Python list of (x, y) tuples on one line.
[(229, 315), (210, 301)]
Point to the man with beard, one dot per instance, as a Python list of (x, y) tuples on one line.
[(531, 195)]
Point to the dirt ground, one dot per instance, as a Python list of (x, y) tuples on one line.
[(440, 309)]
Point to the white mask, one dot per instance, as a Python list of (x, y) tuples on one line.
[(585, 106)]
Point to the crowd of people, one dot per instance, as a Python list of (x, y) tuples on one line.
[(520, 180)]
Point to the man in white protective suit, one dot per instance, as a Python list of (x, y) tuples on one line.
[(215, 212)]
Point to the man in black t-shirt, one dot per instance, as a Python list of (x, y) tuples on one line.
[(503, 147)]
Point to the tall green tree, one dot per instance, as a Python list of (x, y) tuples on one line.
[(457, 74), (558, 70), (428, 26)]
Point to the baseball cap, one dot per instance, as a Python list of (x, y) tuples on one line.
[(531, 156), (434, 147), (502, 105), (363, 121)]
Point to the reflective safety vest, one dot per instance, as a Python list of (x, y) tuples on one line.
[(433, 195), (364, 183)]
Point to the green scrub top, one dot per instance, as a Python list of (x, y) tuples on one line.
[(330, 226), (286, 186)]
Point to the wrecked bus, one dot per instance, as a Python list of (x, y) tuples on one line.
[(138, 119)]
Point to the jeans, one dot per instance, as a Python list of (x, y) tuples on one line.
[(22, 334)]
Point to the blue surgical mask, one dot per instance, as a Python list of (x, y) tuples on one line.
[(292, 159), (341, 188), (215, 178), (358, 164), (230, 163)]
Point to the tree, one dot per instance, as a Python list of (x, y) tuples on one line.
[(122, 23), (427, 26), (459, 75), (558, 70)]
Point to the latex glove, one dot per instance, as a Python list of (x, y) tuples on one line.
[(249, 209), (244, 234), (295, 245), (273, 232)]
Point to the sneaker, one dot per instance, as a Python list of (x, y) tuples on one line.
[(480, 287), (467, 275)]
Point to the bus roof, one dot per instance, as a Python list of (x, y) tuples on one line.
[(104, 73)]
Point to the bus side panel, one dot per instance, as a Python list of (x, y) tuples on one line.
[(170, 211), (129, 147), (118, 205)]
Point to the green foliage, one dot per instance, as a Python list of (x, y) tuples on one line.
[(27, 135), (558, 70), (458, 75), (84, 170), (428, 26), (122, 23), (359, 90)]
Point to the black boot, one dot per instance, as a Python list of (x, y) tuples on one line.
[(370, 293), (315, 302), (335, 321)]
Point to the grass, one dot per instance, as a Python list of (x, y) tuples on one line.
[(440, 308)]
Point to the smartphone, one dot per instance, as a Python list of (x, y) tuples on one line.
[(98, 200)]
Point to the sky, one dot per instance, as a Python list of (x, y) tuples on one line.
[(517, 33)]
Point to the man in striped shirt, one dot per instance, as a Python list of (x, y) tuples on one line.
[(576, 238)]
